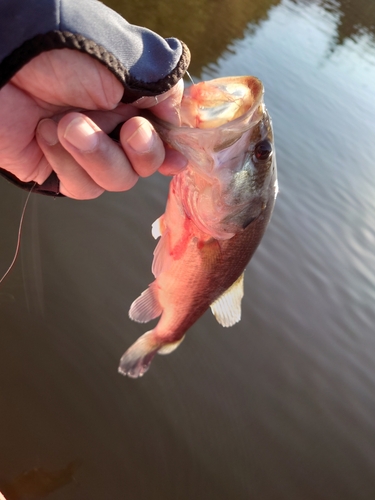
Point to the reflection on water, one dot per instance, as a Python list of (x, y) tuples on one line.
[(206, 26), (38, 482), (356, 18), (280, 406)]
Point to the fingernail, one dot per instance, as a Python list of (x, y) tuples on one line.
[(47, 129), (80, 134), (142, 139)]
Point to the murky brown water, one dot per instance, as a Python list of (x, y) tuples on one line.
[(281, 406)]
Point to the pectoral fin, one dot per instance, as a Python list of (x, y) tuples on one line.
[(227, 308)]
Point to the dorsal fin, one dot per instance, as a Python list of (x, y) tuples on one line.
[(227, 308)]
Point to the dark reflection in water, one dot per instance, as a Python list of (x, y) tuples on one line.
[(38, 482), (356, 17), (206, 26), (282, 405)]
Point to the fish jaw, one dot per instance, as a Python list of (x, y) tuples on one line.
[(212, 104), (214, 115)]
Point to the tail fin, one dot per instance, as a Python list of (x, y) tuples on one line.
[(137, 359)]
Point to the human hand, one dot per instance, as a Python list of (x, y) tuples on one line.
[(56, 113)]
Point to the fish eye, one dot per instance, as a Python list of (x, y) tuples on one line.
[(263, 150)]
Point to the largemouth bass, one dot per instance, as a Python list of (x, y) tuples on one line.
[(217, 211)]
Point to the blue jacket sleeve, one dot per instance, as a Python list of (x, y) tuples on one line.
[(144, 62)]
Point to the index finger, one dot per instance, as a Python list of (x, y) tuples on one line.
[(165, 106)]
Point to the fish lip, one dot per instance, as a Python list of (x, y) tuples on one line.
[(258, 103), (161, 124)]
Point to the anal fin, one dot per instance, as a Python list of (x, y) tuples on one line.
[(227, 308), (146, 307)]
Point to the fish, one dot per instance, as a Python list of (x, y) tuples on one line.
[(216, 214)]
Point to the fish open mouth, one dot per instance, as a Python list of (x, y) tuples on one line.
[(212, 104)]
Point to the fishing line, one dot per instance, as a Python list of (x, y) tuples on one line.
[(189, 75), (19, 236)]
